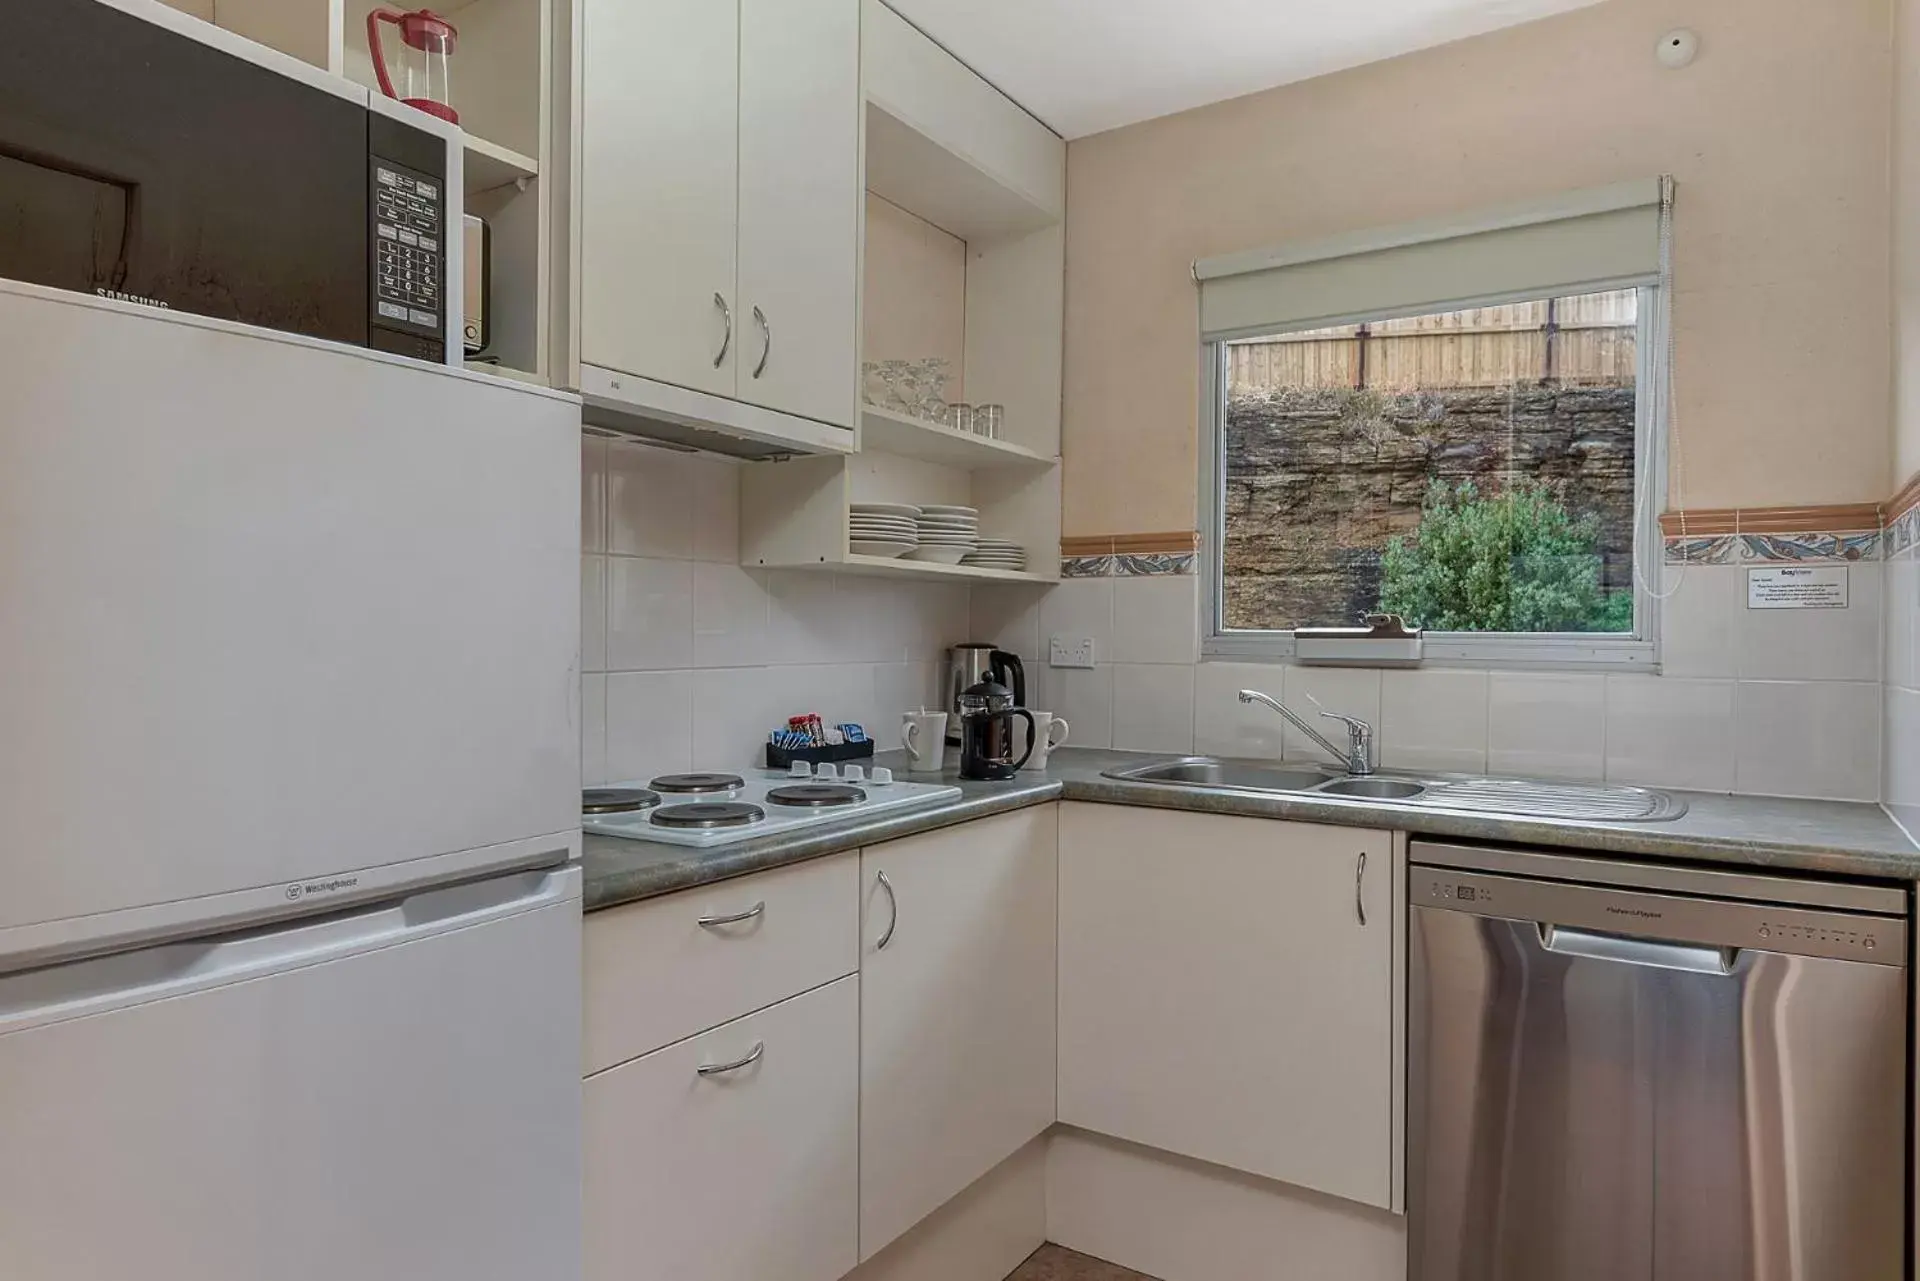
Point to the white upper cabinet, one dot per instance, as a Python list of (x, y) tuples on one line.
[(720, 198), (659, 174), (1226, 992), (956, 1011), (800, 206)]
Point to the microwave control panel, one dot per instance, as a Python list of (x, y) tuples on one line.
[(409, 250)]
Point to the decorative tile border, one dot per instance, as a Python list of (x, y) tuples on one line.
[(1129, 555), (1773, 549), (1086, 566), (1903, 532)]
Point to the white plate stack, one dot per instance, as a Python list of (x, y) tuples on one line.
[(946, 534), (997, 553), (882, 529)]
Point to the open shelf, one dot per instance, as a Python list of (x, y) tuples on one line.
[(490, 165), (897, 433), (889, 567)]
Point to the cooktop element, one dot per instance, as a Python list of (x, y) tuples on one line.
[(816, 795), (707, 815), (617, 800), (697, 784), (757, 805)]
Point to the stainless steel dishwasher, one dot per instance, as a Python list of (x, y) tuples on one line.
[(1620, 1072)]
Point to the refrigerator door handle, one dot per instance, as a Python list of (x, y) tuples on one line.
[(167, 970)]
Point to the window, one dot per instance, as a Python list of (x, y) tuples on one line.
[(1487, 469)]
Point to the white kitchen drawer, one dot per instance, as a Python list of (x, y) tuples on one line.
[(655, 974), (752, 1173)]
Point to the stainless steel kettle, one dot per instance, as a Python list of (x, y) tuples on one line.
[(973, 663)]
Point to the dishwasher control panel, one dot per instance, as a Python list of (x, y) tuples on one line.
[(1662, 917)]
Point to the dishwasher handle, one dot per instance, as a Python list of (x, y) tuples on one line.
[(1655, 954)]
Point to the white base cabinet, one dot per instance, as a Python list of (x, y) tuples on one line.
[(733, 1175), (957, 1011), (1226, 992)]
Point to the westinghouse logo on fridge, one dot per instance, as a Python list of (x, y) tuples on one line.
[(333, 885)]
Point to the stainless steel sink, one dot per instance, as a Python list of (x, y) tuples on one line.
[(1523, 798), (1208, 771), (1378, 789)]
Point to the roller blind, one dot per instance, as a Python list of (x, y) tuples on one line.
[(1605, 237)]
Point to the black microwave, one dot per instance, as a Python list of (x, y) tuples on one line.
[(140, 163)]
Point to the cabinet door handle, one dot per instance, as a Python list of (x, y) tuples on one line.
[(766, 333), (893, 913), (726, 314), (708, 922), (721, 1069), (1359, 887)]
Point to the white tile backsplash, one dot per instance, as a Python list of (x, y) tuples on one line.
[(1699, 632), (1156, 619), (1902, 774), (729, 616), (593, 729), (689, 660), (649, 724), (593, 494), (713, 497), (804, 620), (1903, 622), (1084, 697), (1546, 725), (1152, 707), (1222, 724), (1008, 615), (649, 614), (1808, 738), (1434, 719), (649, 502), (593, 613), (1079, 607), (1816, 644), (1670, 732)]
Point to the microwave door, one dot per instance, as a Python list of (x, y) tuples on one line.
[(60, 220)]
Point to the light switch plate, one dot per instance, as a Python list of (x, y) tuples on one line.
[(1070, 651)]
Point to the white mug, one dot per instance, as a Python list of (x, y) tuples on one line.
[(1049, 732), (924, 735)]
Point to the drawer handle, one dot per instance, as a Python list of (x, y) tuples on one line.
[(1359, 886), (893, 913), (710, 922), (726, 314), (721, 1069)]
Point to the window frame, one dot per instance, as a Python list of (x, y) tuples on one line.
[(1546, 651)]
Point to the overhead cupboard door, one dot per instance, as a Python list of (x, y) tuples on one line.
[(1582, 241)]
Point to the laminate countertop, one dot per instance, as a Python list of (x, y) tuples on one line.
[(1835, 838)]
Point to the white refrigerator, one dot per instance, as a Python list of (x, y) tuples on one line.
[(289, 824)]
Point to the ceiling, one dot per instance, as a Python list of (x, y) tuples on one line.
[(1083, 66)]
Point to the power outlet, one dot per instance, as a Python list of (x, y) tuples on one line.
[(1070, 651)]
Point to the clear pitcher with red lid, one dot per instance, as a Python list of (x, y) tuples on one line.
[(428, 40)]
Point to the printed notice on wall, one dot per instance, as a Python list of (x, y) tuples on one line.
[(1797, 587)]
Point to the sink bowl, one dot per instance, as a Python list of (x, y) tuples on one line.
[(1206, 771), (1377, 789)]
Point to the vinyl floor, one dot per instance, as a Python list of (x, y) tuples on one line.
[(1051, 1263)]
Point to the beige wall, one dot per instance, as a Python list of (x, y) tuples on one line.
[(1906, 243), (1778, 136), (916, 291)]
